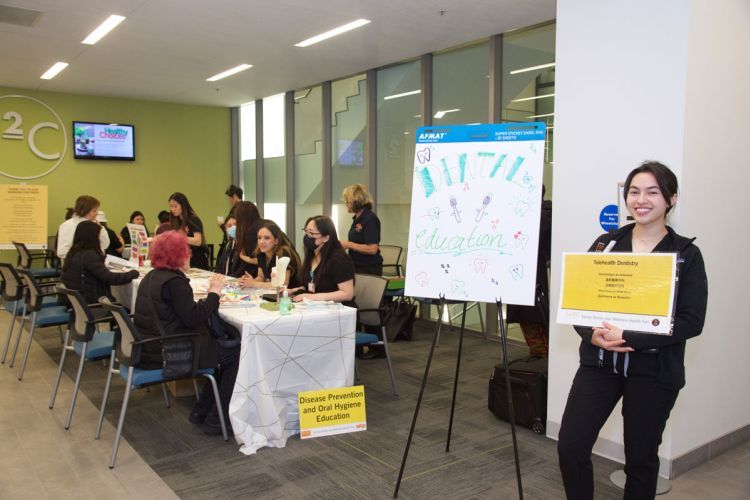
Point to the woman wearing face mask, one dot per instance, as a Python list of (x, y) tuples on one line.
[(328, 272), (228, 262), (272, 245), (645, 370), (185, 219)]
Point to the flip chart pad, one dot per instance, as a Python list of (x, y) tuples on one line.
[(476, 201)]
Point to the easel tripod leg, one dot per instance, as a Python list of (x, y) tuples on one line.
[(455, 381), (419, 403)]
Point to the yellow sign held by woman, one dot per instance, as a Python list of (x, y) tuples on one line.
[(633, 291)]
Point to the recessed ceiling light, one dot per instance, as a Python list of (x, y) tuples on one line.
[(443, 112), (531, 68), (229, 72), (336, 31), (403, 94), (54, 70), (533, 98), (104, 28), (541, 116)]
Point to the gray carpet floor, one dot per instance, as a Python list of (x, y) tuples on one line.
[(363, 464)]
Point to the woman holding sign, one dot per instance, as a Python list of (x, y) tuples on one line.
[(646, 370)]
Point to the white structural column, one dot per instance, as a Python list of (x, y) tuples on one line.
[(668, 81)]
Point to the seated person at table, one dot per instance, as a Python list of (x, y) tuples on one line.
[(272, 245), (116, 245), (84, 268), (328, 272), (165, 292), (165, 223), (86, 208), (228, 262), (136, 217)]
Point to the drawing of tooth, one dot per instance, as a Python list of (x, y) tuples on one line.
[(456, 211), (480, 211), (433, 213), (457, 287), (424, 155), (421, 279), (521, 240), (522, 207), (516, 272), (480, 265)]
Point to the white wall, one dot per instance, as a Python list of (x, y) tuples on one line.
[(637, 80), (715, 178)]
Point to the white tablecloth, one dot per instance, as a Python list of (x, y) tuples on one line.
[(312, 348)]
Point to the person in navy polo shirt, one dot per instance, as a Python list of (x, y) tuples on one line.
[(364, 235)]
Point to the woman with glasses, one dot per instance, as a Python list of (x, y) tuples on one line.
[(328, 272), (364, 235)]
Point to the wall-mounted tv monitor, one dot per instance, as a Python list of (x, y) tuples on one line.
[(103, 141)]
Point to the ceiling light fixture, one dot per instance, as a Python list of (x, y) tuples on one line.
[(104, 28), (541, 116), (334, 32), (54, 70), (532, 68), (229, 72), (443, 112), (403, 94), (533, 98)]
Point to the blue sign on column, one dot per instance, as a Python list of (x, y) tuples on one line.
[(608, 218)]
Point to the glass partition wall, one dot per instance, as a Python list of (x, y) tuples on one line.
[(348, 128), (348, 137)]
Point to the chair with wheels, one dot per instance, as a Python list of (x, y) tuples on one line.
[(368, 294), (13, 300), (26, 258), (84, 339), (127, 351), (40, 316)]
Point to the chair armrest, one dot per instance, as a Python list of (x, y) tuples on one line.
[(168, 337), (100, 320)]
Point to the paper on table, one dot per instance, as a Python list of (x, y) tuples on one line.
[(117, 262)]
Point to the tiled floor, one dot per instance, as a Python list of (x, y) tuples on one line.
[(39, 459)]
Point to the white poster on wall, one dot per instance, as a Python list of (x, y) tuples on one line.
[(476, 201)]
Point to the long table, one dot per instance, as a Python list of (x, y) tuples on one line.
[(311, 348)]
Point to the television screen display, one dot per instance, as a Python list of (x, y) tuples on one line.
[(103, 141)]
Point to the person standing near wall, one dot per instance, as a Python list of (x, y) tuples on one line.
[(646, 370), (364, 235), (186, 220)]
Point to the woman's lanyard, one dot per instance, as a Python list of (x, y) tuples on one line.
[(626, 361)]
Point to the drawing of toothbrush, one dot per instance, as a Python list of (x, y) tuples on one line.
[(480, 211), (454, 206)]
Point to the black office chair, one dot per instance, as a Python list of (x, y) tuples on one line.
[(127, 351), (84, 339)]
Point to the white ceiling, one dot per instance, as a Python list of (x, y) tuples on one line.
[(166, 49)]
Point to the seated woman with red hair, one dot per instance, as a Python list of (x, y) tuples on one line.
[(165, 297)]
